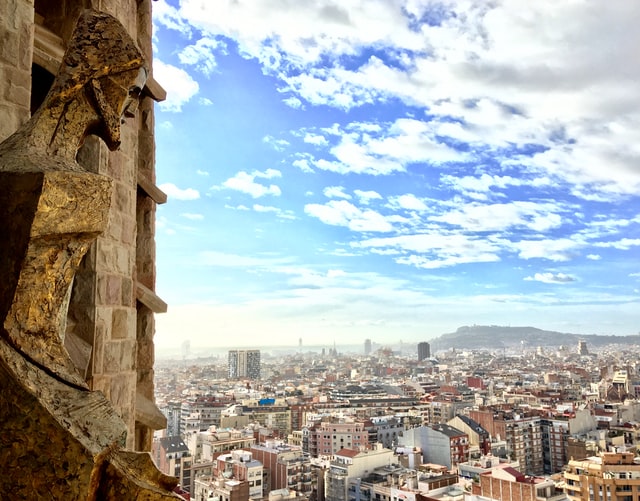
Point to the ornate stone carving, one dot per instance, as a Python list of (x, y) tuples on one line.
[(58, 439)]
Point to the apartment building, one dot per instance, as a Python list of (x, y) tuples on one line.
[(335, 435), (205, 445), (441, 444), (244, 364), (240, 465), (479, 438), (349, 464), (608, 477), (505, 483), (172, 457), (200, 413), (520, 429), (285, 467)]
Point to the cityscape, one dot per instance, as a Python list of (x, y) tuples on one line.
[(375, 423), (319, 251)]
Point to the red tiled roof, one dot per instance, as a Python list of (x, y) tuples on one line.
[(350, 453)]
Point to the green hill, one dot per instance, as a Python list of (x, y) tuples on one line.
[(497, 337)]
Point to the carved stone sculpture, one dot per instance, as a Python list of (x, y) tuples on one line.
[(58, 439)]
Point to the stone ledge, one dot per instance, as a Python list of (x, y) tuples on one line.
[(150, 299), (148, 413), (155, 193), (47, 49)]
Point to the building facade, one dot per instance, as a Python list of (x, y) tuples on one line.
[(244, 364), (424, 351), (610, 477), (285, 467), (441, 444), (172, 457)]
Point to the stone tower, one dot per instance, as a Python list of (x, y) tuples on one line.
[(110, 323)]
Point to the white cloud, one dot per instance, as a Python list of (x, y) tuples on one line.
[(545, 73), (408, 202), (245, 183), (316, 139), (265, 208), (365, 196), (202, 55), (335, 192), (277, 144), (622, 244), (561, 249), (293, 102), (202, 172), (170, 17), (180, 86), (343, 213), (173, 191), (496, 217), (302, 164), (551, 278), (205, 101), (192, 216), (435, 249)]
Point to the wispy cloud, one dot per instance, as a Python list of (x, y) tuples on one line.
[(245, 183), (277, 144), (192, 216), (335, 192), (180, 86), (344, 213), (551, 278), (176, 193), (202, 54)]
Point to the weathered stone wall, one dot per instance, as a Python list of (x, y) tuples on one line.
[(114, 328), (16, 47)]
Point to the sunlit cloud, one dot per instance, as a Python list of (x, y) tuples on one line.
[(551, 278), (245, 183), (180, 86), (176, 193)]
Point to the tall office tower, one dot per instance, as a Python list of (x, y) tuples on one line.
[(424, 350), (582, 348), (367, 346), (244, 364)]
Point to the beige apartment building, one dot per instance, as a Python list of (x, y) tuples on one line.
[(609, 476)]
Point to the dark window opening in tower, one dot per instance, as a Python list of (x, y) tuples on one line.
[(41, 81)]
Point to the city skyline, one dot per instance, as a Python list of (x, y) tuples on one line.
[(395, 169)]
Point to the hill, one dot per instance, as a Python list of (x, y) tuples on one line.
[(498, 337)]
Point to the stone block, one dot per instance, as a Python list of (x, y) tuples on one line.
[(26, 45), (122, 323), (17, 93), (9, 48), (128, 298), (124, 198), (122, 391), (124, 260), (115, 165), (12, 117), (128, 355), (112, 233), (113, 289), (128, 226)]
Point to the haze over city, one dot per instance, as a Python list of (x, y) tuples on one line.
[(395, 169)]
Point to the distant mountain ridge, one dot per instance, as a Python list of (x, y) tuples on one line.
[(497, 337)]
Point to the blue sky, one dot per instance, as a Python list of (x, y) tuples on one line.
[(394, 169)]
